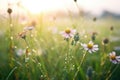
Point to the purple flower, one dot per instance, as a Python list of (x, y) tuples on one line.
[(68, 33)]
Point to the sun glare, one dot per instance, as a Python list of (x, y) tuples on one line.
[(37, 6)]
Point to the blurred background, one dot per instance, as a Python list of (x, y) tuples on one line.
[(99, 8), (33, 27)]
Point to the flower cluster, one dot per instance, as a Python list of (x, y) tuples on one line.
[(89, 47)]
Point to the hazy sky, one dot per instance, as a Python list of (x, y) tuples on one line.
[(93, 6)]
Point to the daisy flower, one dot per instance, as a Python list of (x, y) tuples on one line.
[(90, 47), (68, 33), (113, 58)]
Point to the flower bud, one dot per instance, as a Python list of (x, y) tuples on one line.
[(75, 0), (9, 10), (105, 41)]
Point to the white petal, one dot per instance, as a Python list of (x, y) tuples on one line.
[(86, 48), (113, 53), (84, 45), (93, 50), (118, 57), (113, 61), (62, 32), (96, 49), (73, 31), (71, 34), (89, 51), (90, 42), (110, 54), (95, 46)]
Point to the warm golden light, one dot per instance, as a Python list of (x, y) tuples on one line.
[(37, 6), (95, 7)]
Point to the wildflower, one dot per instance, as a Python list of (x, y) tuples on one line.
[(22, 34), (9, 10), (113, 58), (68, 33), (20, 52), (105, 41), (90, 47), (29, 28)]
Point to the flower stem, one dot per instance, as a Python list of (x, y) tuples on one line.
[(11, 72), (80, 65), (112, 73)]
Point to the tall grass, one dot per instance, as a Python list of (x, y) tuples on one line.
[(45, 55)]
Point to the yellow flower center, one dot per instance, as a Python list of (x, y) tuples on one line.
[(67, 31), (90, 46), (112, 57)]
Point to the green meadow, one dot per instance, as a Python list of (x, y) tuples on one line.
[(42, 53)]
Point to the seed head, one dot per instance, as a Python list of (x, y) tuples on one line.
[(75, 0), (9, 10), (111, 28), (94, 19), (105, 41)]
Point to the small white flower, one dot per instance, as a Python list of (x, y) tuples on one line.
[(20, 52), (113, 58), (29, 28), (68, 33), (90, 47)]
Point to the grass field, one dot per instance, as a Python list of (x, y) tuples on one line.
[(42, 53)]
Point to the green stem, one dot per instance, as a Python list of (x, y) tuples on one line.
[(112, 73), (26, 43), (11, 72), (80, 65)]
